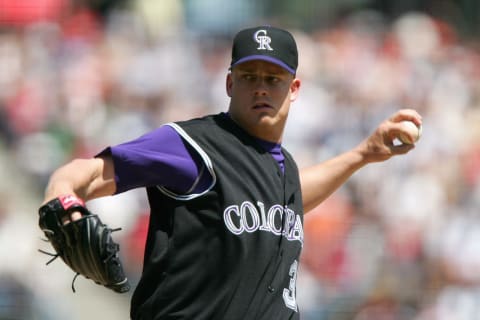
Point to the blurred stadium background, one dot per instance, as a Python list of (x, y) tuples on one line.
[(400, 241)]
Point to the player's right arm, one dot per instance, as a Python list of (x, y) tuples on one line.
[(86, 178), (319, 181)]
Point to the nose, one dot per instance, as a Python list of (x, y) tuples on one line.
[(261, 87)]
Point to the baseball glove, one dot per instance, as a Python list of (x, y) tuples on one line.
[(85, 245)]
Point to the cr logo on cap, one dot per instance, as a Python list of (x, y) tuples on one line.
[(263, 40)]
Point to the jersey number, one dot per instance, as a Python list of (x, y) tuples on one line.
[(289, 296)]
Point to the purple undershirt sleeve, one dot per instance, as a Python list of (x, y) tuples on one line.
[(158, 158)]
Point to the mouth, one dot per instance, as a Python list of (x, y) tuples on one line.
[(262, 106)]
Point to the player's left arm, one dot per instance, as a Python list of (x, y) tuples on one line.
[(85, 178), (319, 181)]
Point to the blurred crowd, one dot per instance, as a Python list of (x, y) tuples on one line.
[(399, 241)]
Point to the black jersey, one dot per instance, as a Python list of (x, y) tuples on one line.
[(231, 252)]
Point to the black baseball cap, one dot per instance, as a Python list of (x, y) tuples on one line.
[(265, 43)]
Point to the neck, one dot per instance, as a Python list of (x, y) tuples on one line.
[(263, 132)]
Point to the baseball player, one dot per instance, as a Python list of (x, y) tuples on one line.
[(227, 200)]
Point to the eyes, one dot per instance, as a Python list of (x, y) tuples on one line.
[(253, 78)]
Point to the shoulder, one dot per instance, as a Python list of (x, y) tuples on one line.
[(210, 126), (287, 154), (207, 120)]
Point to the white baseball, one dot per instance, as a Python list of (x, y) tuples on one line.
[(413, 130)]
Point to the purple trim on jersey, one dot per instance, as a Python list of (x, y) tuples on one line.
[(159, 157), (275, 150)]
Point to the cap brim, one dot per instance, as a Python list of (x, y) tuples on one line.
[(265, 58)]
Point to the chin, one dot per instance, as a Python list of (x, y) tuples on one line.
[(266, 119)]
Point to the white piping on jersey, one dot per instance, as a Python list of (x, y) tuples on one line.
[(197, 180), (207, 161)]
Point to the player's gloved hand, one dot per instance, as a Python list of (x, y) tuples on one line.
[(84, 244)]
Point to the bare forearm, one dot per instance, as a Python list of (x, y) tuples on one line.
[(85, 178), (320, 181)]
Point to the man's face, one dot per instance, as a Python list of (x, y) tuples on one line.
[(261, 93)]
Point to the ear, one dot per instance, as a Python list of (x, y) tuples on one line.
[(228, 84), (294, 89)]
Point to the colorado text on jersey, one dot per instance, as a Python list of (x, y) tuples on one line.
[(278, 220)]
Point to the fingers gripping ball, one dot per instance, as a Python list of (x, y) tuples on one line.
[(84, 244), (413, 131)]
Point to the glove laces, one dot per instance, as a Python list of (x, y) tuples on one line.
[(112, 252)]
